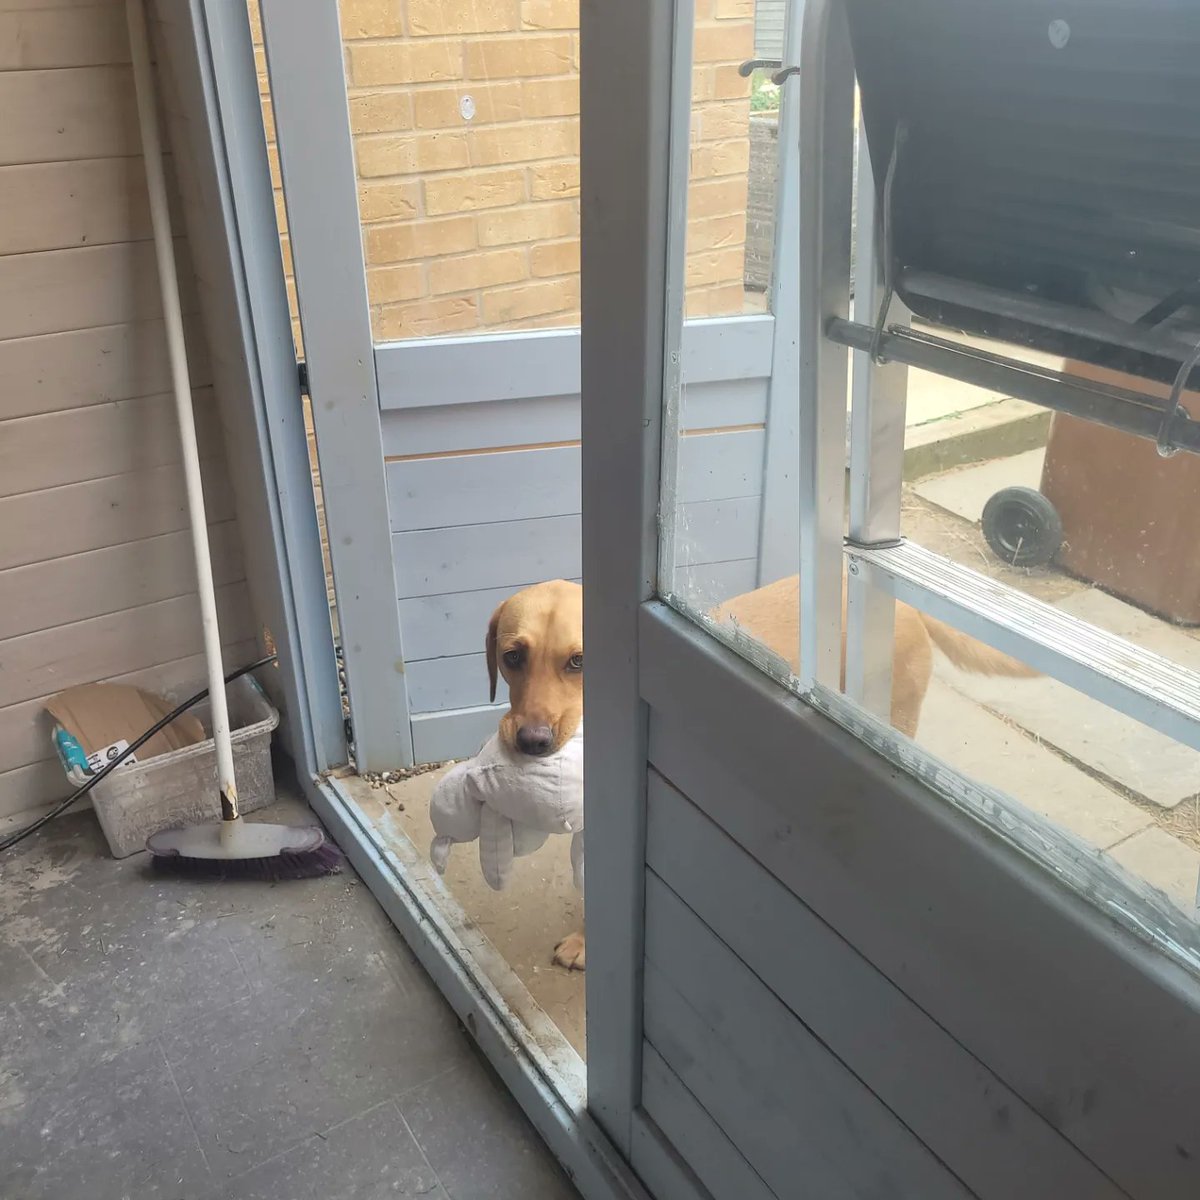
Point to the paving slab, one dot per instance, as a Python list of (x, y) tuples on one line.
[(966, 490), (992, 752), (1164, 862), (1117, 747)]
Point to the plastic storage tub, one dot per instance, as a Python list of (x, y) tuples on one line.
[(180, 788)]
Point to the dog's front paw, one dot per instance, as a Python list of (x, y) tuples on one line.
[(570, 952)]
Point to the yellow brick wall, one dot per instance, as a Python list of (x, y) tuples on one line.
[(473, 224)]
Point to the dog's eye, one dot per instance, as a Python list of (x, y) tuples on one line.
[(575, 662), (512, 658)]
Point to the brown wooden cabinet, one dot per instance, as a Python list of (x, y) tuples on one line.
[(1131, 518)]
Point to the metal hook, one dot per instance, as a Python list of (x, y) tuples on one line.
[(1166, 448), (754, 64)]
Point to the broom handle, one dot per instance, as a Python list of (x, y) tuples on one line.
[(168, 282)]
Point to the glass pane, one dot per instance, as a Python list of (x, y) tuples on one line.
[(728, 256), (1087, 519)]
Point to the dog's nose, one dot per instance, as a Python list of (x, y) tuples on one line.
[(535, 739)]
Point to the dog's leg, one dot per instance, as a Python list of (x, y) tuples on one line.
[(570, 952)]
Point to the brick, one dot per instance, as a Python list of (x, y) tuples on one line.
[(371, 18), (721, 122), (554, 181), (727, 84), (466, 191), (385, 155), (533, 223), (524, 142), (723, 43), (550, 97), (530, 300), (381, 112), (471, 271), (260, 66), (715, 233), (513, 58), (437, 108), (428, 18), (383, 63), (733, 10), (728, 300), (555, 258), (714, 267), (268, 116), (426, 318), (720, 158), (419, 239), (718, 197), (280, 211), (549, 14), (388, 201), (703, 84), (385, 285), (273, 166), (285, 249), (255, 22)]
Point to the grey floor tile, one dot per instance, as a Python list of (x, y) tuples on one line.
[(304, 1053), (478, 1140), (369, 1157), (165, 1038), (110, 1130)]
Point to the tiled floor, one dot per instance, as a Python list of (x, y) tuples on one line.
[(180, 1040)]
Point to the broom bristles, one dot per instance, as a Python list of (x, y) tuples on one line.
[(326, 859)]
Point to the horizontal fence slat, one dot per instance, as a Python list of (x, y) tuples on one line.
[(962, 1111), (441, 736), (472, 489), (787, 1104), (538, 420), (517, 485), (719, 466), (471, 557), (453, 428), (444, 625), (705, 585), (439, 684), (512, 366), (717, 530)]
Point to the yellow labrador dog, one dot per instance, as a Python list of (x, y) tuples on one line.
[(535, 641), (771, 615)]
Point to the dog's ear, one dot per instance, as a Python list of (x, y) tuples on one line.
[(490, 645)]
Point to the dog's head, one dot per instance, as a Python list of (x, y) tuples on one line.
[(535, 640)]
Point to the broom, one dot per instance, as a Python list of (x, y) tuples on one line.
[(229, 848)]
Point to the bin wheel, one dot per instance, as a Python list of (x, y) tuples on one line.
[(1022, 527)]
